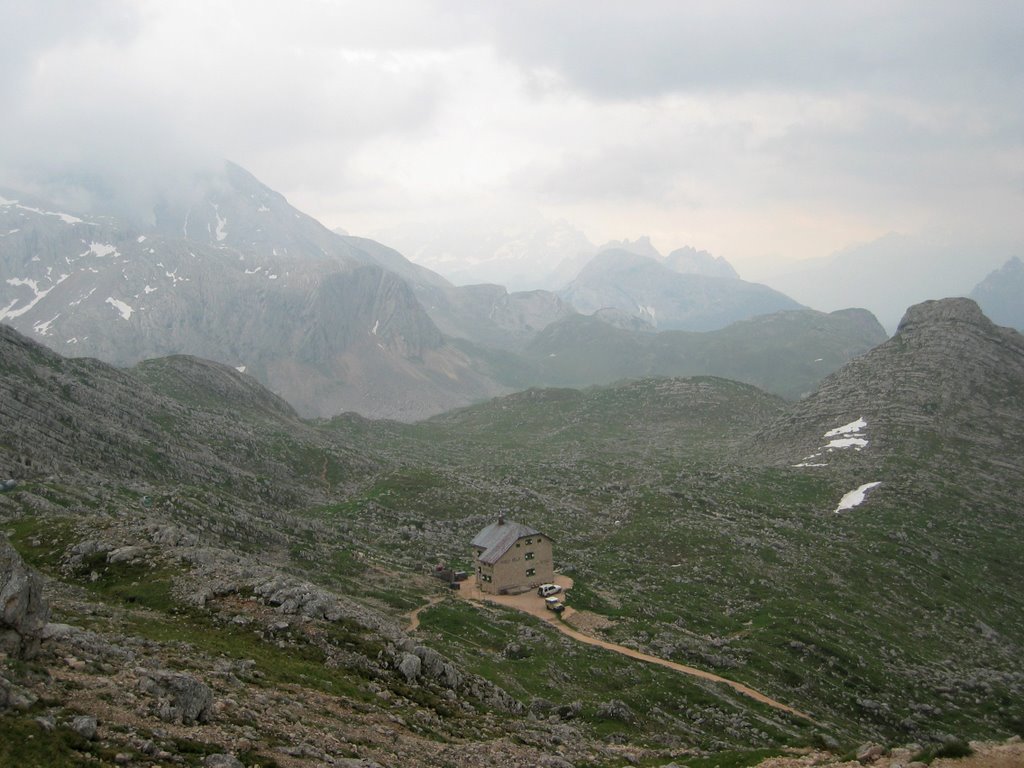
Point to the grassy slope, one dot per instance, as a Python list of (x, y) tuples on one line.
[(899, 620)]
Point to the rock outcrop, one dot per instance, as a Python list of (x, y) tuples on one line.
[(23, 609), (947, 375), (179, 698)]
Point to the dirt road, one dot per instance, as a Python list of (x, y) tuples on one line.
[(530, 603)]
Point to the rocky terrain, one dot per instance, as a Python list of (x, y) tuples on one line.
[(198, 576)]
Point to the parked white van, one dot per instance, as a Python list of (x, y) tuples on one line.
[(546, 590)]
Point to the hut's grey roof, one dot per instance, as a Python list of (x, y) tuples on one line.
[(497, 538)]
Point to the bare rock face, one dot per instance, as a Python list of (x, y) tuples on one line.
[(23, 609)]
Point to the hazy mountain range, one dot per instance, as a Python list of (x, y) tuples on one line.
[(885, 275), (231, 272), (665, 298), (889, 274), (1001, 294)]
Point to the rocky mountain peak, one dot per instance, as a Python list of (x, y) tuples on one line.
[(642, 246), (942, 311), (649, 289), (689, 260), (949, 375)]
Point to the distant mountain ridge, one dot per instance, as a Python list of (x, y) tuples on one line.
[(887, 275), (785, 353), (690, 261), (1001, 294), (669, 300)]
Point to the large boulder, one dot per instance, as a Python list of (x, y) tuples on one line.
[(410, 666), (23, 609), (180, 698)]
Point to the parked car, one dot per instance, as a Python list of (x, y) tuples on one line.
[(546, 590), (554, 604)]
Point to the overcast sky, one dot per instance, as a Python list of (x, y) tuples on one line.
[(753, 130)]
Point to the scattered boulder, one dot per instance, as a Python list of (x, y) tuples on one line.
[(869, 753), (54, 631), (356, 762), (23, 609), (85, 550), (540, 707), (84, 726), (125, 554), (616, 709), (172, 536), (221, 760), (570, 711), (181, 698), (13, 696)]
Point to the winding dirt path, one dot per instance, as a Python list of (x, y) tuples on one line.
[(530, 603), (414, 616)]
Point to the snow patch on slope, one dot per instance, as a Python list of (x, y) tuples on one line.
[(10, 311), (856, 497), (221, 224), (847, 436), (848, 429), (65, 217), (43, 327), (123, 309), (101, 250)]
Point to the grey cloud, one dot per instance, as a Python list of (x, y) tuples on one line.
[(650, 48), (655, 169), (98, 104), (29, 29), (886, 157)]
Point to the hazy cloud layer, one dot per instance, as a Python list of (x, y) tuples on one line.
[(749, 129)]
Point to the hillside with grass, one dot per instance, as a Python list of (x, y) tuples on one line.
[(226, 578)]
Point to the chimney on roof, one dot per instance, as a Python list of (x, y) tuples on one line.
[(501, 518)]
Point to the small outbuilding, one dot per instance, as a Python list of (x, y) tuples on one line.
[(510, 557)]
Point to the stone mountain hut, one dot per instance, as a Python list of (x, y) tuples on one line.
[(509, 558)]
